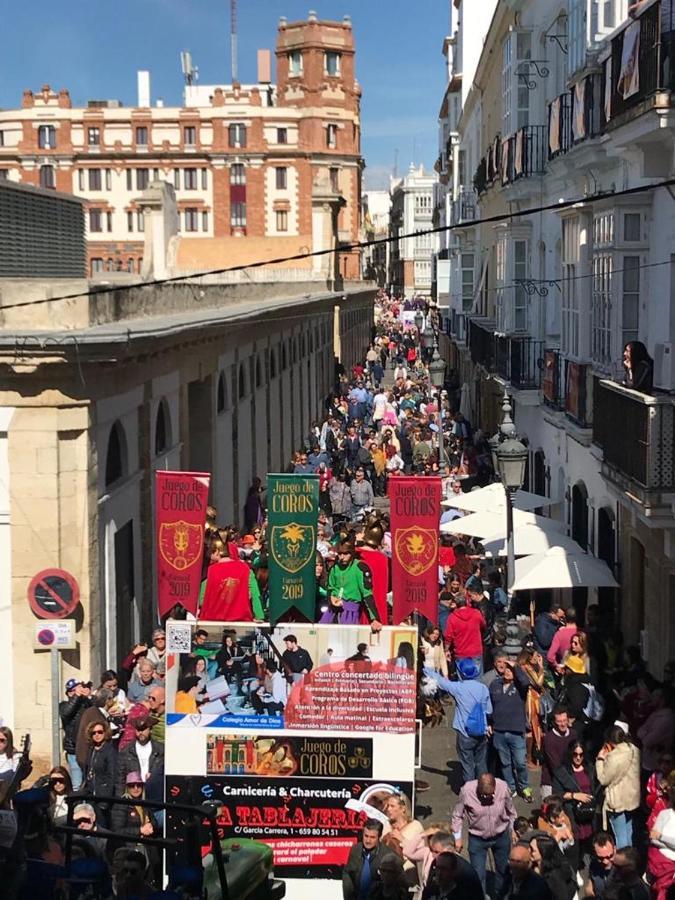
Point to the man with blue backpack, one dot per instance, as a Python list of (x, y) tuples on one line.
[(472, 708)]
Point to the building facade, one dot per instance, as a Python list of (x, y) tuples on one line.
[(250, 164), (573, 100), (412, 207), (376, 210), (99, 391)]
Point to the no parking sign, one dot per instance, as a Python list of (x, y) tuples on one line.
[(53, 594), (58, 635)]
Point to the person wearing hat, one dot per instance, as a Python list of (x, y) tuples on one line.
[(350, 590), (574, 692), (70, 713), (132, 821), (470, 722), (230, 592), (144, 755)]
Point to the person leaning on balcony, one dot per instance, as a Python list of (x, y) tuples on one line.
[(639, 367)]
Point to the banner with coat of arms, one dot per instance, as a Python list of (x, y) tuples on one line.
[(180, 514), (293, 514), (415, 512)]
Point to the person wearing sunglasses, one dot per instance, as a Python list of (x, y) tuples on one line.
[(100, 768), (133, 821), (576, 783), (60, 786)]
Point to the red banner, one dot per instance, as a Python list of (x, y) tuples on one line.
[(378, 564), (180, 512), (415, 511)]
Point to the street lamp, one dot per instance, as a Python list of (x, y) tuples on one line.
[(509, 458)]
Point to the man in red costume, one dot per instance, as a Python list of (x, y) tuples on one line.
[(230, 592)]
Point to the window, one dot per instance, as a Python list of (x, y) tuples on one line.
[(238, 215), (334, 179), (140, 221), (108, 221), (93, 137), (331, 135), (108, 180), (95, 220), (282, 136), (467, 261), (4, 174), (500, 276), (46, 137), (237, 135), (162, 428), (632, 230), (130, 265), (520, 275), (130, 221), (47, 177), (422, 271), (282, 178), (205, 179), (94, 179), (515, 94), (237, 173), (295, 63), (571, 236), (96, 265), (332, 62), (205, 220), (116, 464), (80, 179), (2, 139), (142, 136), (190, 179), (142, 179), (191, 219), (176, 179), (630, 299), (190, 135), (422, 244), (601, 309), (282, 220), (155, 174), (423, 204), (130, 185)]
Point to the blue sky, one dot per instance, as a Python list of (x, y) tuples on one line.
[(94, 48)]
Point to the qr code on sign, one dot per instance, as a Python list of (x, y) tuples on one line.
[(179, 637)]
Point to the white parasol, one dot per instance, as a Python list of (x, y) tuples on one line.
[(558, 569)]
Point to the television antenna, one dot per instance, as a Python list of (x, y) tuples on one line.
[(233, 39), (190, 71)]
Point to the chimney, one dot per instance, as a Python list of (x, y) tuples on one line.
[(143, 88), (264, 67)]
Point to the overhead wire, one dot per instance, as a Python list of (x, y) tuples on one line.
[(347, 248)]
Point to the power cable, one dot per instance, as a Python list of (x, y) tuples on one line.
[(346, 248)]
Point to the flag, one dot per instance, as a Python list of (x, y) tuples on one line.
[(180, 518), (415, 511), (293, 514)]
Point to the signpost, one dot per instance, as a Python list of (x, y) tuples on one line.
[(55, 635)]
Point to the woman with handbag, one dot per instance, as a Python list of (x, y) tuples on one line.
[(532, 663), (617, 766), (575, 782)]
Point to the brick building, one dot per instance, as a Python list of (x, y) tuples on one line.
[(256, 168)]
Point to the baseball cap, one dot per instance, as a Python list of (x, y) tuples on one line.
[(71, 684), (134, 778)]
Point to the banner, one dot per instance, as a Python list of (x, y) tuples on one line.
[(415, 511), (311, 824), (180, 512), (293, 513)]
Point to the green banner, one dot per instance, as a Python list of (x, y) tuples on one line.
[(292, 516)]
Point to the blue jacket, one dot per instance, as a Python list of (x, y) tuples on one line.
[(544, 629), (466, 694), (508, 703)]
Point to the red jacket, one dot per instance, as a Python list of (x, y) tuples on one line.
[(464, 632)]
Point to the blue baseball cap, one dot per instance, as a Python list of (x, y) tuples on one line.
[(71, 684)]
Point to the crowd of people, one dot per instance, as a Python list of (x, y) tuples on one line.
[(554, 714)]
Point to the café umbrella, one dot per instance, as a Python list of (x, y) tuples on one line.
[(559, 569), (493, 523), (493, 496), (529, 540)]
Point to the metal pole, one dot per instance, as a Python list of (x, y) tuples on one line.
[(56, 729), (510, 551)]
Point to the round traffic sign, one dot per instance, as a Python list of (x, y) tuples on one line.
[(53, 594), (46, 637)]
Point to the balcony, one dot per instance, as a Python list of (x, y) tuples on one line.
[(524, 154), (638, 65), (560, 125), (464, 207), (481, 335), (575, 116), (578, 405), (518, 361), (637, 435)]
